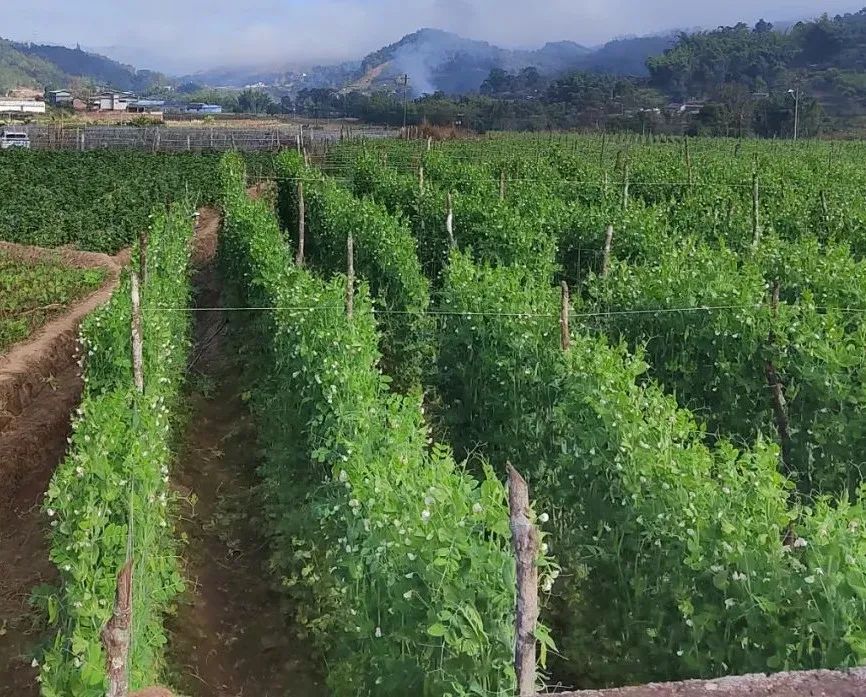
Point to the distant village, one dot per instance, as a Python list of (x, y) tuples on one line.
[(32, 102)]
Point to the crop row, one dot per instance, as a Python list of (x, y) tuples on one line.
[(111, 497), (398, 561)]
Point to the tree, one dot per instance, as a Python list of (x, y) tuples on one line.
[(254, 102)]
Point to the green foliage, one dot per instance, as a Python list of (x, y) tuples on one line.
[(96, 200), (385, 256), (119, 462), (398, 561), (31, 293), (673, 555)]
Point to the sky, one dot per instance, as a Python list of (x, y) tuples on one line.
[(183, 36)]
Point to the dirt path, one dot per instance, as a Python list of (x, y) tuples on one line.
[(229, 637), (40, 385)]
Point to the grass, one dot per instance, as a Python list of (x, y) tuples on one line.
[(32, 293)]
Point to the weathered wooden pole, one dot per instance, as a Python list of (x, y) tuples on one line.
[(688, 156), (625, 184), (116, 635), (449, 222), (302, 225), (525, 540), (143, 239), (605, 260), (137, 343), (502, 185), (756, 211), (564, 322), (777, 392), (421, 178), (350, 276)]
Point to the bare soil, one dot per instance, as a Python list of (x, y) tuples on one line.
[(230, 636), (822, 683), (40, 385)]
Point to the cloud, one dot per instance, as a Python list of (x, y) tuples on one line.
[(186, 35)]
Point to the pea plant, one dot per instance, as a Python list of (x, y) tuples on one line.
[(111, 493)]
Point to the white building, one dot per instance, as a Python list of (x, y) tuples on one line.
[(113, 101), (21, 106)]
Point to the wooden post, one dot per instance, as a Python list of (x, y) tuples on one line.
[(188, 143), (143, 239), (502, 185), (298, 142), (756, 211), (605, 260), (429, 143), (777, 392), (234, 145), (157, 139), (449, 222), (302, 225), (421, 179), (825, 210), (525, 539), (137, 344), (688, 162), (350, 276), (116, 635), (211, 137), (625, 184), (564, 324)]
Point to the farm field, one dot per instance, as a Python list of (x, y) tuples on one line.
[(663, 336), (33, 292)]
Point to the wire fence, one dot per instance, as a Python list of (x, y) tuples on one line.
[(190, 138)]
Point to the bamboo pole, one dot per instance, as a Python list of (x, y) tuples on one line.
[(525, 540)]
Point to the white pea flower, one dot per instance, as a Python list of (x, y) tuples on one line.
[(800, 543), (543, 518), (425, 515), (378, 632), (407, 595)]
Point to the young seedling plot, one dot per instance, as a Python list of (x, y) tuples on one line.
[(465, 418)]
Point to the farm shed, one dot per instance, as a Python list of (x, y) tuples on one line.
[(60, 98)]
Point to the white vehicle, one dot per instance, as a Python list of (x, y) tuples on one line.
[(13, 138)]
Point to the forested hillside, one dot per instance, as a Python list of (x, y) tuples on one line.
[(52, 67)]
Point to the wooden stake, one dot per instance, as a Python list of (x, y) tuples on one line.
[(350, 276), (449, 222), (421, 179), (116, 635), (688, 162), (525, 540), (502, 185), (825, 209), (777, 392), (625, 185), (143, 239), (564, 324), (137, 344), (756, 211), (302, 224), (605, 261), (429, 143)]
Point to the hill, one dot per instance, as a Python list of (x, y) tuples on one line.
[(51, 67)]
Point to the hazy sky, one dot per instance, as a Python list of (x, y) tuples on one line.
[(186, 35)]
